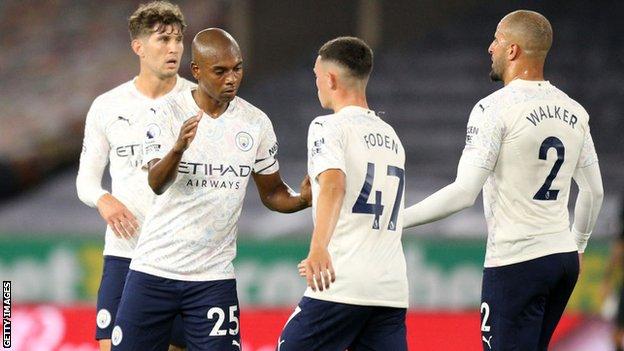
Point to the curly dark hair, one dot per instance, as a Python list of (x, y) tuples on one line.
[(161, 13)]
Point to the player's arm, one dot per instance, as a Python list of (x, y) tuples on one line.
[(483, 139), (278, 196), (274, 193), (588, 203), (589, 199), (93, 160), (319, 269), (162, 172), (453, 198)]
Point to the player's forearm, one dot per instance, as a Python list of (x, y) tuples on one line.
[(284, 199), (277, 195), (89, 182), (588, 203), (328, 208), (453, 198), (441, 204), (163, 173)]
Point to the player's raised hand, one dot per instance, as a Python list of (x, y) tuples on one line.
[(301, 267), (318, 269), (305, 189), (187, 133), (117, 216)]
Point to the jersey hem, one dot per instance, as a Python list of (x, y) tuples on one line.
[(525, 258), (117, 257), (182, 277), (358, 302), (117, 253)]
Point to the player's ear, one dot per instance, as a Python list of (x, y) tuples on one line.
[(195, 70), (137, 47), (513, 52), (332, 80)]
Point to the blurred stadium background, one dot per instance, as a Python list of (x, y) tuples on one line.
[(431, 66)]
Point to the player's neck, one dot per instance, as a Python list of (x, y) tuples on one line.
[(209, 105), (154, 87), (525, 72), (349, 99)]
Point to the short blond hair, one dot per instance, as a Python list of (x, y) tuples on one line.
[(531, 29)]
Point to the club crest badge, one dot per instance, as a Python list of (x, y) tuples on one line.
[(244, 141)]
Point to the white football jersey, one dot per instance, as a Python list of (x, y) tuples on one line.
[(365, 247), (190, 232), (114, 131), (532, 136)]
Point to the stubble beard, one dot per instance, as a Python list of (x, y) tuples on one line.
[(495, 76)]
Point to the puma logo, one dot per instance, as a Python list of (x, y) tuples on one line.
[(235, 343), (487, 341), (122, 118)]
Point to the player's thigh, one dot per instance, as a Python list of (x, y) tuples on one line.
[(385, 330), (177, 333), (560, 292), (146, 312), (210, 314), (322, 325), (512, 306), (109, 294)]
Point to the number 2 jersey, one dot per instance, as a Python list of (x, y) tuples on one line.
[(365, 247), (533, 137)]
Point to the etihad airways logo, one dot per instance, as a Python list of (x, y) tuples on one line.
[(209, 169)]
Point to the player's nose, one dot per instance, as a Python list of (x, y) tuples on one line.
[(230, 78), (174, 47)]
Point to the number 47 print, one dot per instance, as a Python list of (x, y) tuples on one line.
[(376, 208)]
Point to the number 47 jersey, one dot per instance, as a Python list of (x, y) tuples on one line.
[(365, 247), (533, 138)]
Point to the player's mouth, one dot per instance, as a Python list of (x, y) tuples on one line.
[(171, 63), (229, 92)]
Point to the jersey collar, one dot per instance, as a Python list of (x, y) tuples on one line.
[(188, 96), (529, 83), (351, 109), (136, 92)]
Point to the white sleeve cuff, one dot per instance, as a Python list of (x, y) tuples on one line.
[(581, 239)]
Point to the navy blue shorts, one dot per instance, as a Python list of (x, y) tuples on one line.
[(522, 303), (149, 305), (330, 326), (109, 295)]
